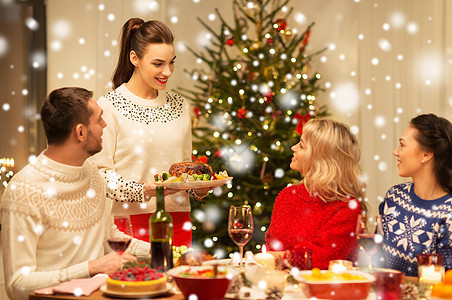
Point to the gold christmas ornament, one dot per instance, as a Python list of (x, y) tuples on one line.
[(256, 46), (251, 9), (288, 34)]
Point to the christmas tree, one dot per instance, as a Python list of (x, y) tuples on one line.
[(250, 104)]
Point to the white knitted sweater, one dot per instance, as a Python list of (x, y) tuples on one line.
[(142, 138), (55, 218)]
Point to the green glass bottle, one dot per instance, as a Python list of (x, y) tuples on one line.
[(161, 235)]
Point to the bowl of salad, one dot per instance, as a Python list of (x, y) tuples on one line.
[(206, 282)]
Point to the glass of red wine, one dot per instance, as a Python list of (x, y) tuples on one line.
[(368, 242), (119, 244), (240, 226)]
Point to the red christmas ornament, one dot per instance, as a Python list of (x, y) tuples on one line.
[(230, 42), (200, 159), (270, 41), (218, 153), (196, 111), (268, 96), (302, 119), (242, 113), (305, 40), (281, 23)]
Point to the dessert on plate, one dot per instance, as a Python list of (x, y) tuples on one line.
[(137, 279)]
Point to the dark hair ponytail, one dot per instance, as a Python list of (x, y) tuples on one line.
[(136, 35), (435, 135), (124, 68)]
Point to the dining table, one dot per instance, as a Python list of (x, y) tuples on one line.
[(174, 294), (99, 295)]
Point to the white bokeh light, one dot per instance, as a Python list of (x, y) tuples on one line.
[(61, 29), (354, 129), (111, 17), (397, 19), (39, 58), (140, 6), (346, 98), (382, 166), (4, 45), (386, 26), (412, 28), (7, 107), (375, 61), (56, 45), (32, 24), (431, 64), (300, 18), (211, 17), (384, 45), (379, 121), (279, 173), (174, 19)]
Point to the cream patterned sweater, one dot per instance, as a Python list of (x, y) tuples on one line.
[(142, 138), (55, 218)]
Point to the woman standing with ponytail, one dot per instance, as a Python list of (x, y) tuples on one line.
[(148, 129), (417, 215)]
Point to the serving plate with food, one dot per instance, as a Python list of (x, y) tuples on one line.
[(190, 175)]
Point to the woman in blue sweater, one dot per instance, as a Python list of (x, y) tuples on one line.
[(417, 215)]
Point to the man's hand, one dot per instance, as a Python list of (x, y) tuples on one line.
[(109, 263)]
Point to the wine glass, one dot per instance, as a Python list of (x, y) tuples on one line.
[(367, 241), (119, 244), (240, 226)]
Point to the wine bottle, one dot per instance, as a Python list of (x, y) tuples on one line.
[(161, 235)]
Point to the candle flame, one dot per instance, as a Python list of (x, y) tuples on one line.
[(264, 249)]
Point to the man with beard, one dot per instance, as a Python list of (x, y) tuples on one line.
[(54, 214)]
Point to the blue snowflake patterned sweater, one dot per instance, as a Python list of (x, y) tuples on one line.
[(413, 226)]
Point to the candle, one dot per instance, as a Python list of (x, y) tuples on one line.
[(340, 265), (431, 274), (265, 259)]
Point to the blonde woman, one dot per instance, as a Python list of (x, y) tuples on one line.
[(321, 212)]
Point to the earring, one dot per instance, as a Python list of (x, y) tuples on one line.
[(422, 161)]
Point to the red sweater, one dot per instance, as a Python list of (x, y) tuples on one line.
[(327, 228)]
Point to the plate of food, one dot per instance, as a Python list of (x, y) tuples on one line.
[(136, 282), (190, 175), (135, 295)]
